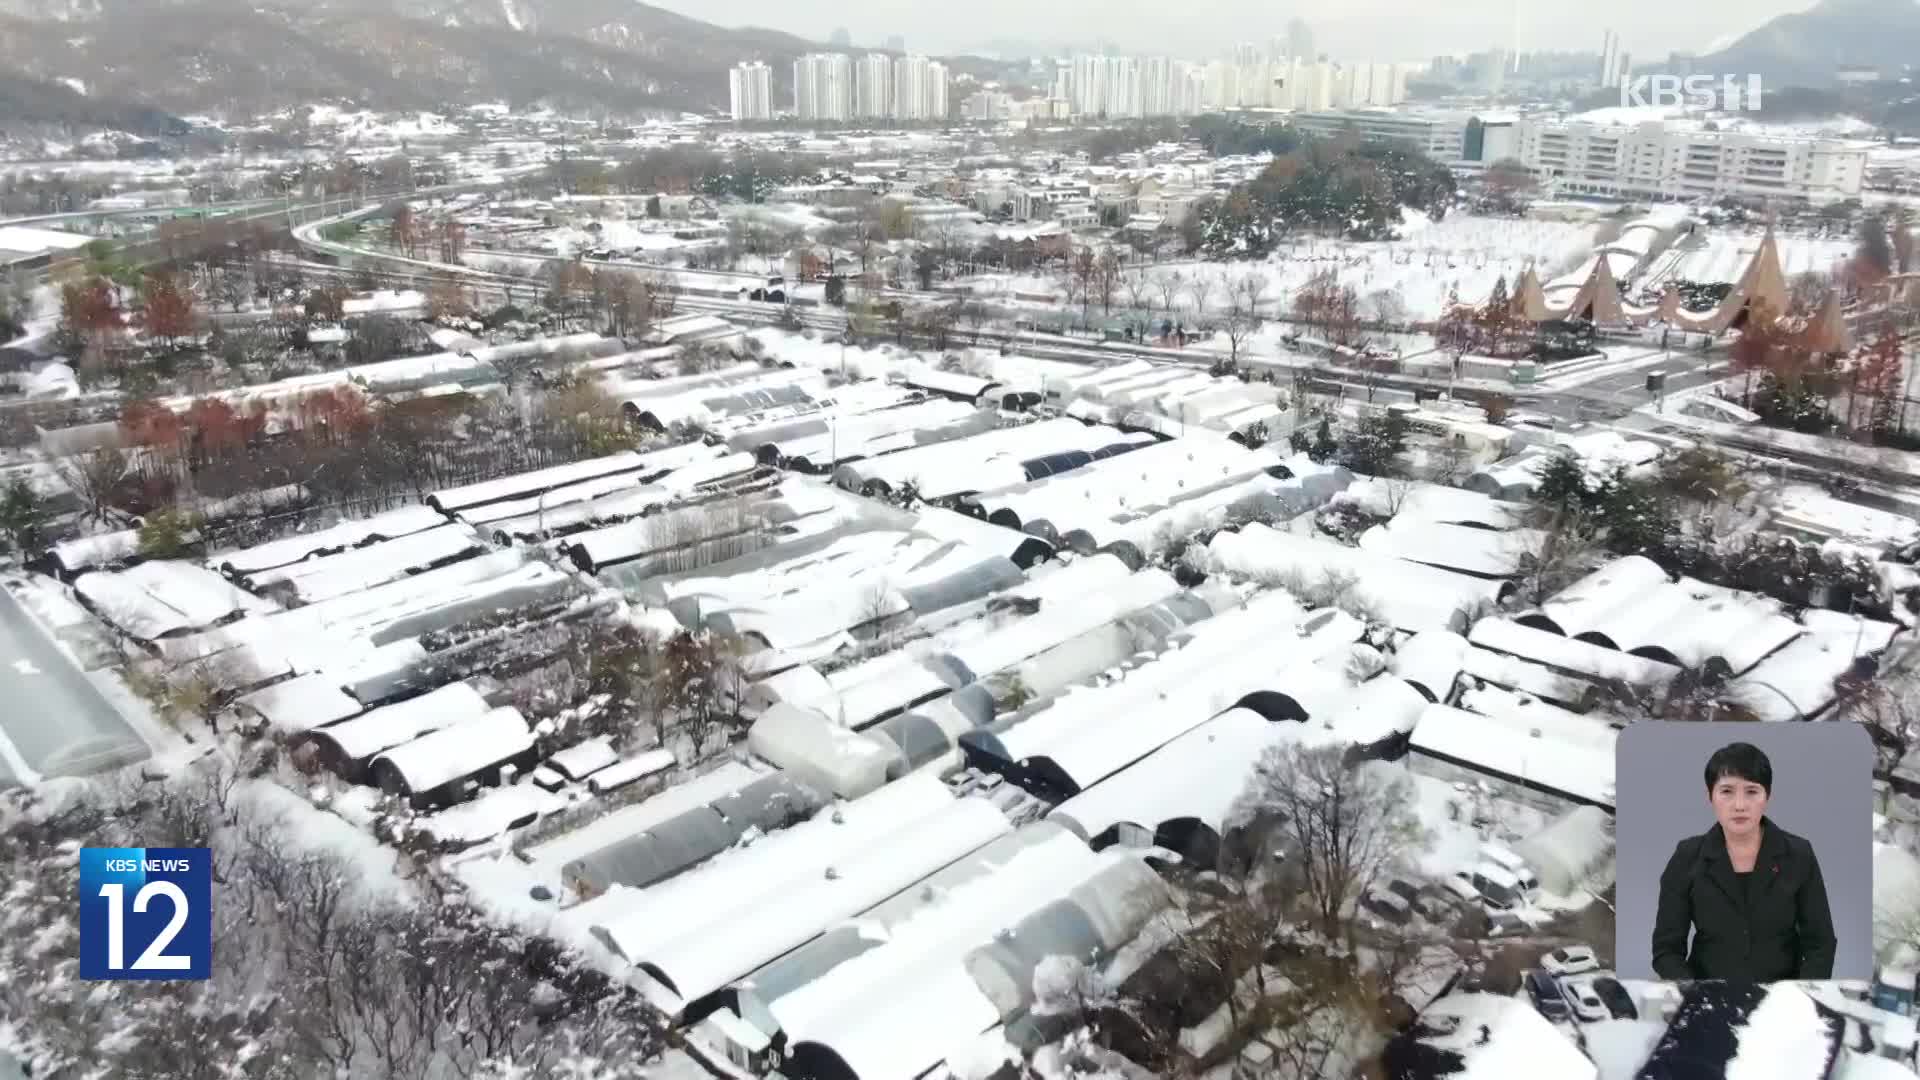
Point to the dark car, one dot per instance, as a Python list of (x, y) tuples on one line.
[(1405, 890), (1544, 990), (1385, 907), (1615, 998)]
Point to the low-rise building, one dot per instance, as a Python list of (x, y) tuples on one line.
[(1668, 160)]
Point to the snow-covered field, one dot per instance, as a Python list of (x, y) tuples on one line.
[(1461, 255)]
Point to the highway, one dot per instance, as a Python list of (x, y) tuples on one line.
[(57, 722)]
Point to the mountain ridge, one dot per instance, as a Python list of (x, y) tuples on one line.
[(1808, 48), (229, 56)]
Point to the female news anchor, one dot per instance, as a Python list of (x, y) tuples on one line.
[(1748, 891)]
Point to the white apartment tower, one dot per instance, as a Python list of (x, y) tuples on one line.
[(919, 89), (937, 105), (750, 90), (823, 87), (873, 86)]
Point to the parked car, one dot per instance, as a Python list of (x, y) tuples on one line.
[(1506, 922), (1544, 991), (1386, 907), (1580, 995), (1497, 888), (1571, 960), (1423, 900), (1615, 997), (1512, 864)]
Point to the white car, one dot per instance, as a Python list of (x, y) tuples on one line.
[(1586, 1003), (1572, 960)]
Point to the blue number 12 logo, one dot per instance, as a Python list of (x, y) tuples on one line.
[(146, 913)]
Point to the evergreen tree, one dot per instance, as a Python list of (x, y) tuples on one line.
[(1375, 444), (21, 516), (1633, 513), (1563, 484), (1324, 448)]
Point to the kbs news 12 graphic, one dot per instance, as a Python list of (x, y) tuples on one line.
[(146, 913)]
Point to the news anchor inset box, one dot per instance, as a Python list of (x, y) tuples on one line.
[(1743, 851), (146, 913)]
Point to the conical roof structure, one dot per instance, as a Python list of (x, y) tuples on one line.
[(1529, 299)]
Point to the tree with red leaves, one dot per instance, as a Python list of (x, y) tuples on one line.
[(1760, 338), (404, 231), (219, 428), (89, 312), (333, 414), (327, 304), (166, 305), (152, 425)]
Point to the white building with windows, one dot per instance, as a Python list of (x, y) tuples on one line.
[(1441, 136), (750, 90), (1663, 159), (919, 89), (823, 87), (873, 86)]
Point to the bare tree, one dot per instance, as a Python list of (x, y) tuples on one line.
[(94, 476), (1107, 272), (1249, 289), (1242, 317), (1169, 286), (1199, 287), (1139, 289), (976, 315), (1344, 828)]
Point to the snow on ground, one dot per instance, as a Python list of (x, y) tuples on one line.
[(1620, 1047), (778, 215), (1785, 1036), (1462, 254), (317, 830), (616, 235)]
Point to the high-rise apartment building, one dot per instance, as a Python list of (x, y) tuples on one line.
[(750, 91), (823, 87), (873, 86), (919, 89)]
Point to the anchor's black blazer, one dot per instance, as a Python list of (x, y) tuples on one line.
[(1784, 932)]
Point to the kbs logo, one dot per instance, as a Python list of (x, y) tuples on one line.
[(1728, 93), (146, 913)]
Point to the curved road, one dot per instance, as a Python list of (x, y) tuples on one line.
[(56, 720)]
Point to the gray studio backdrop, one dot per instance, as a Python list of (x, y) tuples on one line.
[(1822, 790)]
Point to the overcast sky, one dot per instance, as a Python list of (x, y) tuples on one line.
[(1198, 29)]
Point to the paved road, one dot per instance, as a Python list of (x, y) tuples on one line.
[(58, 721)]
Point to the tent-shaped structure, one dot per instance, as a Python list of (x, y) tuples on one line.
[(1763, 284)]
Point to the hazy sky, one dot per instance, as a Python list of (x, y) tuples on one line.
[(1350, 29)]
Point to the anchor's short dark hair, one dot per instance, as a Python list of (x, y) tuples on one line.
[(1742, 761)]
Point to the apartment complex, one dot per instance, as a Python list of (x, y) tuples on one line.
[(750, 90), (834, 86), (1661, 160), (823, 87)]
